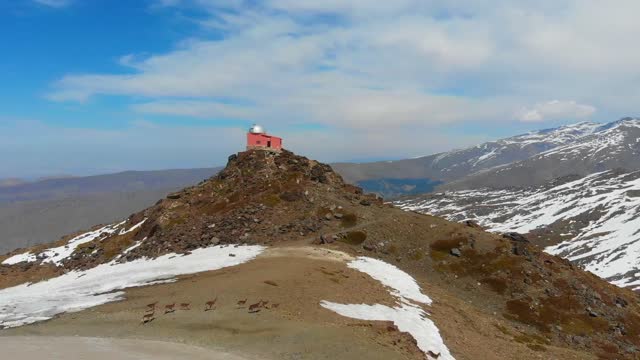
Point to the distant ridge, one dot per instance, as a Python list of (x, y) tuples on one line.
[(42, 211)]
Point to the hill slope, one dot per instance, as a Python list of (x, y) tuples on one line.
[(611, 146), (42, 211), (276, 257), (592, 221), (454, 165)]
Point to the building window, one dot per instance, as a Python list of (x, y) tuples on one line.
[(258, 142)]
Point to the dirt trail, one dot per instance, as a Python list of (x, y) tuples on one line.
[(59, 348)]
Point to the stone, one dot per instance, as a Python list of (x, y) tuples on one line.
[(338, 215), (215, 241), (368, 247), (365, 202), (514, 236), (472, 224), (455, 252), (328, 216), (174, 196)]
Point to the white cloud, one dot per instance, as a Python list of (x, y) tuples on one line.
[(384, 64), (556, 110), (197, 109), (54, 3)]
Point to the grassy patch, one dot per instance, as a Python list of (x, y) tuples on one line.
[(271, 200), (212, 209), (115, 245), (175, 221), (349, 220), (354, 238), (321, 212), (391, 249), (498, 285), (565, 311), (416, 255)]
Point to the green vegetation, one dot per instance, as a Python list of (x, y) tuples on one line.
[(349, 220), (354, 238)]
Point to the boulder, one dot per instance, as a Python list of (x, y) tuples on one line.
[(514, 236)]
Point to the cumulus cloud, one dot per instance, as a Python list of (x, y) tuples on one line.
[(556, 110), (362, 63)]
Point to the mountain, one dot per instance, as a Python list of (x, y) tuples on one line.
[(127, 181), (277, 257), (592, 221), (11, 182), (606, 147), (455, 165), (42, 211)]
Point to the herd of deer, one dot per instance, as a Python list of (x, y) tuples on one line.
[(150, 311)]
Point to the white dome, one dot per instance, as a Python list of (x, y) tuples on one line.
[(256, 129)]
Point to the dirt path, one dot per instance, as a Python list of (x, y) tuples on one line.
[(297, 279), (62, 348)]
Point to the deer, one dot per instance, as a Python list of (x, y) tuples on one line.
[(242, 302), (169, 308), (209, 304), (254, 308), (146, 318), (185, 306), (152, 306)]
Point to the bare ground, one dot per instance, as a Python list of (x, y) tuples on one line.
[(296, 278)]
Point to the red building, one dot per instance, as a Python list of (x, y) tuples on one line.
[(257, 138)]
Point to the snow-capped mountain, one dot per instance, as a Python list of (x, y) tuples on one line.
[(457, 164), (593, 221), (605, 147)]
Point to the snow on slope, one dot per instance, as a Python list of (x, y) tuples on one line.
[(607, 141), (596, 217), (58, 254), (407, 316), (78, 290), (612, 146), (490, 153)]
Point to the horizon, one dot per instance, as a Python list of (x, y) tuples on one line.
[(102, 87), (33, 179)]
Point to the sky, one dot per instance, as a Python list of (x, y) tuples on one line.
[(98, 86)]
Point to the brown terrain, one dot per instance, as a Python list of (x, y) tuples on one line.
[(495, 297)]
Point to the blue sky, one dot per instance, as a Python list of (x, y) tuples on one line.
[(99, 86)]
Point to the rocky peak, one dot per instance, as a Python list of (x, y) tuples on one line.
[(260, 197)]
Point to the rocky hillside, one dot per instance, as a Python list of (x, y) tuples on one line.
[(592, 221), (352, 277), (33, 213), (454, 165), (612, 146)]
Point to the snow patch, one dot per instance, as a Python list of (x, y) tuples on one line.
[(404, 286), (79, 290), (16, 259), (133, 228), (408, 316), (58, 254), (608, 245)]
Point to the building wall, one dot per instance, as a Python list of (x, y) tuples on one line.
[(262, 140)]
